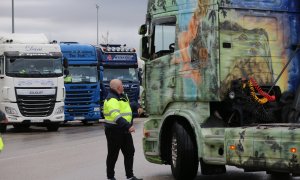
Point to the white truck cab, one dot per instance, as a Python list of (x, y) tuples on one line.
[(31, 81)]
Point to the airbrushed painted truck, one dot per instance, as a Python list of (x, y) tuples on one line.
[(222, 85)]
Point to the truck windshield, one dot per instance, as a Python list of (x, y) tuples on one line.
[(83, 74), (128, 74), (33, 67)]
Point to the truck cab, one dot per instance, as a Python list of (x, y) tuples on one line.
[(82, 84), (222, 85), (31, 81), (119, 62)]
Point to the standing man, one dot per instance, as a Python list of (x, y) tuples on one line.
[(118, 128)]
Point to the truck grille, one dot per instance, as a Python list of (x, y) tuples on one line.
[(79, 99), (36, 106)]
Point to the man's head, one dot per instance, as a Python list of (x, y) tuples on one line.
[(116, 85)]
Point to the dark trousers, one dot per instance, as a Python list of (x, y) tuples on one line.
[(116, 140)]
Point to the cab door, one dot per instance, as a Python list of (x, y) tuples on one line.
[(160, 77)]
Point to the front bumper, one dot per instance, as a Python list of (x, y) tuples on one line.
[(56, 116)]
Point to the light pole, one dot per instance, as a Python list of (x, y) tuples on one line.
[(13, 16), (97, 6)]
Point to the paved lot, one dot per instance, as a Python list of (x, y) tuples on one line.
[(78, 152)]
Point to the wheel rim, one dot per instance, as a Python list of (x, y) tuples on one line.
[(174, 151)]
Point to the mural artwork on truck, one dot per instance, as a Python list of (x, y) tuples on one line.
[(222, 45), (211, 52)]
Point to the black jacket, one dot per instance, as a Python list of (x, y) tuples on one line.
[(2, 116)]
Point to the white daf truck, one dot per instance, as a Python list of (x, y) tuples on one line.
[(31, 81)]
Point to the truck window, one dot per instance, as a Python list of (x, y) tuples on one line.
[(164, 38), (83, 74), (1, 65), (33, 67)]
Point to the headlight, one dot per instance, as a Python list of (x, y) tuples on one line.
[(96, 108), (11, 111), (59, 110)]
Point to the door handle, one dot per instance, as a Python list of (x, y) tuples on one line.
[(172, 82)]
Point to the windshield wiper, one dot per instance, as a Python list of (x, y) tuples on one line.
[(34, 72), (56, 74), (129, 80)]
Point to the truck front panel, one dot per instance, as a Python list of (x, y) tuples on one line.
[(119, 62), (80, 102), (32, 99), (83, 88)]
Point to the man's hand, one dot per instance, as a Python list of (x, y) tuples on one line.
[(131, 129), (4, 120), (140, 111)]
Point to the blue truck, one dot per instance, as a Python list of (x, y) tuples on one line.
[(118, 61), (82, 84)]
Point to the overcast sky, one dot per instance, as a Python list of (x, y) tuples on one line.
[(76, 20)]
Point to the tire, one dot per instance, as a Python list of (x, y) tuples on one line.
[(3, 128), (87, 123), (21, 127), (52, 127), (184, 157), (279, 175)]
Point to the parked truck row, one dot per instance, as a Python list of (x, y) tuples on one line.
[(45, 84)]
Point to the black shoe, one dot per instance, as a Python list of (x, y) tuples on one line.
[(134, 178)]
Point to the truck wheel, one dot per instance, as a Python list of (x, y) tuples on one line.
[(184, 162), (87, 123), (21, 127), (52, 126), (279, 175), (3, 128)]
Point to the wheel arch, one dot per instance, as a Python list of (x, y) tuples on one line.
[(166, 135)]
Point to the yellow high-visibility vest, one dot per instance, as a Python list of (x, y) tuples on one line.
[(113, 109), (1, 144), (68, 79)]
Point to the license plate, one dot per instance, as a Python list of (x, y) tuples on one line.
[(79, 118)]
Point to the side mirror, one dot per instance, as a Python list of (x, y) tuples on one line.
[(65, 63), (144, 48), (66, 72), (12, 59), (143, 29), (101, 73), (140, 75)]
